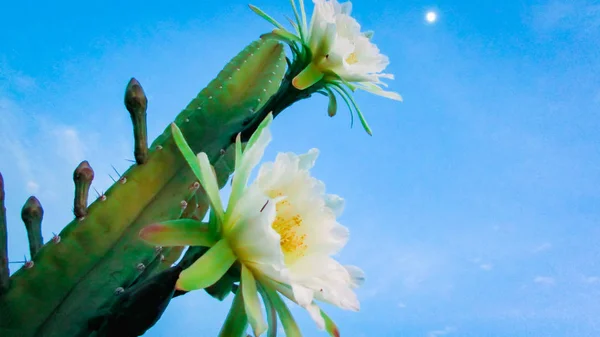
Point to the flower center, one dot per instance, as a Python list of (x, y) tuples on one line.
[(351, 59), (288, 225)]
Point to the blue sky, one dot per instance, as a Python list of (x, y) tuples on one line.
[(473, 208)]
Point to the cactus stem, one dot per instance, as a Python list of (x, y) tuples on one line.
[(82, 177), (32, 215), (4, 272), (136, 103)]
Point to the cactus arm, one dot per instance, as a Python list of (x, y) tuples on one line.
[(32, 215), (74, 278)]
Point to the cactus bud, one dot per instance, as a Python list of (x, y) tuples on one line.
[(4, 273), (332, 106), (32, 215), (136, 103), (82, 177)]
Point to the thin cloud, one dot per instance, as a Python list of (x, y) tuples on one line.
[(542, 248), (445, 331), (544, 280)]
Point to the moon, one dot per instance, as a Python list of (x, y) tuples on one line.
[(431, 16)]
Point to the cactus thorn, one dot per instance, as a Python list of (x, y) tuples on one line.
[(119, 291), (55, 238), (103, 197), (136, 103), (111, 178), (28, 265), (222, 151), (184, 204), (117, 172), (140, 266), (32, 215), (159, 147), (83, 176), (195, 186), (123, 180), (4, 271), (158, 249), (130, 160)]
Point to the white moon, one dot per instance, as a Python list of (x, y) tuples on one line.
[(431, 17)]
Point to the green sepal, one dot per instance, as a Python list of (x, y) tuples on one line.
[(236, 322), (208, 269), (307, 77)]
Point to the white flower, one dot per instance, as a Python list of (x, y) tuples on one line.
[(282, 228), (334, 54), (339, 46)]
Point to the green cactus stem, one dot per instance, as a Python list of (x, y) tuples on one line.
[(136, 103), (32, 215), (78, 275), (137, 308), (82, 177), (4, 273)]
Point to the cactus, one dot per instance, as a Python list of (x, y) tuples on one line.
[(97, 265)]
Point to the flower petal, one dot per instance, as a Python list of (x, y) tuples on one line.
[(201, 168), (335, 203), (236, 322), (372, 88), (255, 242), (330, 326), (252, 303), (271, 312), (255, 148), (307, 77), (357, 275), (303, 295), (208, 269), (285, 316), (265, 16), (208, 180), (308, 159), (315, 313), (181, 232)]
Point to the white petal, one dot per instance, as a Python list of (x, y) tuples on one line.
[(303, 295), (315, 314), (357, 275), (252, 237), (335, 203), (250, 158), (307, 160)]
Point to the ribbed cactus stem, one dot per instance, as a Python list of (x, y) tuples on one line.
[(136, 103), (4, 274), (32, 215), (82, 177)]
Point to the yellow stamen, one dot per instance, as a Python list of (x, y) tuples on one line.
[(287, 224), (351, 59)]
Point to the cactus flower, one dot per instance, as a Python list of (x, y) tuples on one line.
[(334, 53), (281, 228)]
